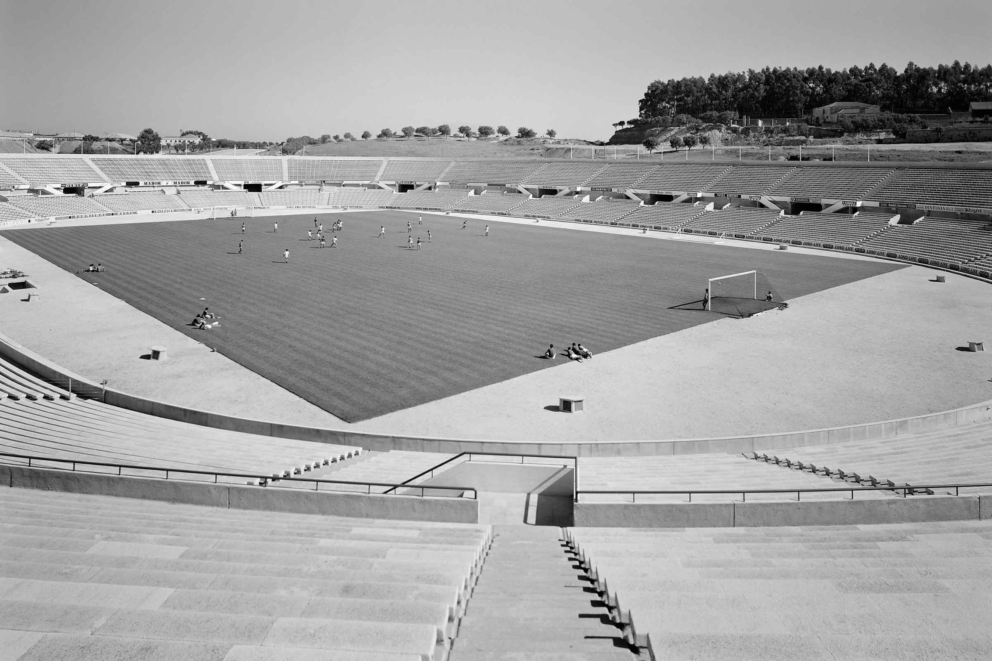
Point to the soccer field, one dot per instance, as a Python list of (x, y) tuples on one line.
[(371, 327)]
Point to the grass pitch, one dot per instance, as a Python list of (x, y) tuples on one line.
[(371, 327)]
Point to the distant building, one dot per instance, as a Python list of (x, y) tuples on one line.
[(15, 135), (980, 109), (180, 140), (834, 112)]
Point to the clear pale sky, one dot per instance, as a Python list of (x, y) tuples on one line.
[(251, 70)]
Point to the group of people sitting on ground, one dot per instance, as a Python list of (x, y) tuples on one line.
[(574, 352), (99, 268), (205, 320)]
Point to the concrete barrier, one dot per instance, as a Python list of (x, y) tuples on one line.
[(654, 515)]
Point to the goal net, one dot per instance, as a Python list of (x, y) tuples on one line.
[(742, 294)]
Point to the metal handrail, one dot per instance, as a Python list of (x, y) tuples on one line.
[(904, 488), (264, 480), (575, 460)]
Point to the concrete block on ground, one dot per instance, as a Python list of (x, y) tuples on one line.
[(654, 515), (15, 643), (857, 512), (98, 648), (88, 594), (245, 653), (60, 618), (178, 625), (236, 603), (719, 647), (137, 549), (353, 636)]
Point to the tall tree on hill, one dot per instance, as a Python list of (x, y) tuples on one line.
[(408, 131), (551, 133), (465, 130), (524, 132), (503, 131), (205, 140), (675, 142), (366, 135), (651, 143), (348, 136), (485, 131), (324, 139), (149, 142), (385, 133), (689, 141), (444, 130)]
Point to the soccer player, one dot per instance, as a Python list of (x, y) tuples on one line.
[(309, 235), (334, 242), (285, 254), (487, 230), (409, 227), (409, 242), (465, 224), (321, 240), (706, 299), (275, 228), (428, 236), (315, 221), (418, 243), (320, 229), (382, 231), (241, 246), (420, 220)]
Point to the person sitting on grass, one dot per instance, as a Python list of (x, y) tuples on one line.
[(768, 297), (90, 269), (572, 356), (207, 314), (550, 354), (582, 351)]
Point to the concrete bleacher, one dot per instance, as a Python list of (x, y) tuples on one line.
[(940, 240), (751, 180), (690, 177), (491, 172), (414, 170), (546, 207), (300, 197), (961, 188), (830, 183), (8, 180), (162, 168), (438, 200), (566, 173), (828, 229), (48, 170), (603, 211), (620, 175), (48, 206), (92, 577), (910, 590), (494, 203), (663, 216), (357, 198), (145, 201), (204, 199), (248, 169), (735, 221), (393, 467), (334, 170), (11, 214)]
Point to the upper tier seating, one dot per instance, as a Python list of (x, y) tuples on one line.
[(392, 467), (309, 197), (663, 216), (141, 202), (248, 169), (52, 170), (691, 473), (494, 203), (751, 180), (737, 221), (910, 590), (161, 168), (94, 577), (358, 198), (546, 207), (835, 229), (604, 211), (416, 171), (439, 200), (676, 177), (491, 172), (961, 188), (620, 175), (941, 240), (204, 199), (10, 214), (336, 170), (8, 181), (569, 173), (830, 183), (46, 206)]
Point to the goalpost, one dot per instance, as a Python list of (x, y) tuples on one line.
[(737, 285)]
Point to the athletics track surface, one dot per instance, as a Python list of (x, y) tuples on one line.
[(371, 327)]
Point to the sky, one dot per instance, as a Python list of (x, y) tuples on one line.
[(251, 70)]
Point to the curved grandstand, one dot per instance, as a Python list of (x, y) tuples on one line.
[(427, 575)]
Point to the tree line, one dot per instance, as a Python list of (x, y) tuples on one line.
[(793, 92), (293, 145)]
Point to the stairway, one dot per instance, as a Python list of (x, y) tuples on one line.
[(532, 602)]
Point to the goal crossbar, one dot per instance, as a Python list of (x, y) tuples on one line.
[(709, 288)]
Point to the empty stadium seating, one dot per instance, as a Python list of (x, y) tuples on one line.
[(830, 183), (688, 177), (123, 203), (122, 169), (357, 198), (751, 180), (393, 467), (494, 203), (961, 188), (827, 229), (620, 175), (937, 240), (47, 206), (439, 200), (604, 211), (491, 172), (414, 170), (310, 197), (248, 169), (546, 207), (567, 173), (8, 180), (52, 170), (736, 221), (663, 216), (11, 214), (204, 199), (335, 170), (911, 590), (93, 577)]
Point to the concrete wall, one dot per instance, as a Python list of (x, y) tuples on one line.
[(797, 513), (449, 510)]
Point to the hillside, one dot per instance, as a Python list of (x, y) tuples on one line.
[(437, 148), (16, 147)]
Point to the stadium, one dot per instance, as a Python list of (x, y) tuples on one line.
[(714, 385)]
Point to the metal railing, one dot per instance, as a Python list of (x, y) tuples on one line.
[(260, 480), (433, 469), (899, 489)]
